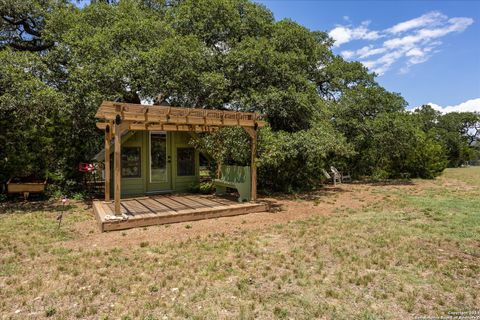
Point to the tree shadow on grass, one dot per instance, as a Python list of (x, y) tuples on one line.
[(22, 207), (330, 191), (387, 183), (309, 195)]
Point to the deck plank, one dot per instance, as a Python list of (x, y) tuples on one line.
[(174, 205), (206, 202), (134, 208), (106, 208), (188, 202), (149, 209), (111, 207), (156, 206)]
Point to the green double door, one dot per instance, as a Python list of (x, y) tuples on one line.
[(159, 162)]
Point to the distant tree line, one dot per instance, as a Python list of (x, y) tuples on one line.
[(59, 61)]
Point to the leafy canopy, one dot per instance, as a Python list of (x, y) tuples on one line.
[(59, 61)]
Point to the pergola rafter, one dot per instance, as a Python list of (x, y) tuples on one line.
[(117, 118), (162, 118)]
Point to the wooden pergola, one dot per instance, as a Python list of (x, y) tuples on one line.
[(118, 118)]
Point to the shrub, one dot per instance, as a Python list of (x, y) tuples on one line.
[(206, 187)]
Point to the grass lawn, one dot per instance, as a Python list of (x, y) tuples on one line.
[(412, 249)]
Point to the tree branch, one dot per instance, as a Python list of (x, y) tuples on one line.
[(33, 45)]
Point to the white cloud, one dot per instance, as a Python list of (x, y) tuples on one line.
[(363, 52), (426, 34), (341, 35), (417, 55), (347, 54), (382, 64), (413, 41), (472, 105), (344, 34), (415, 52), (428, 19)]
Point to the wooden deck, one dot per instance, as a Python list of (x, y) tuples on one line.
[(163, 209)]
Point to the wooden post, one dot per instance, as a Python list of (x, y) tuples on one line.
[(252, 132), (107, 162), (253, 167), (118, 164)]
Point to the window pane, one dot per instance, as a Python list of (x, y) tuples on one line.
[(158, 163), (131, 164), (185, 161)]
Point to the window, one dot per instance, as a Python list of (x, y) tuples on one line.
[(131, 164), (185, 161)]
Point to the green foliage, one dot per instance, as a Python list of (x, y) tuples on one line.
[(229, 145), (205, 187), (458, 132), (286, 161), (397, 146), (389, 142), (292, 161), (358, 106), (22, 23), (223, 54), (30, 113)]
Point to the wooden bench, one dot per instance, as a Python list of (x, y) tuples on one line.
[(26, 187), (235, 177)]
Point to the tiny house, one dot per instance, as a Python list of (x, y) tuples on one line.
[(151, 153), (147, 152)]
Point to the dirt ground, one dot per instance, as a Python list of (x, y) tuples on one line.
[(283, 209)]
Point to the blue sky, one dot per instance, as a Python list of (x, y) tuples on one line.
[(429, 51)]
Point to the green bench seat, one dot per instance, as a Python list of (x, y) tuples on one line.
[(235, 177)]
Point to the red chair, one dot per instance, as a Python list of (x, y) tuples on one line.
[(86, 167)]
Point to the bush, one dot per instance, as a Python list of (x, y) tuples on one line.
[(286, 161), (206, 187), (380, 175), (396, 146), (293, 161)]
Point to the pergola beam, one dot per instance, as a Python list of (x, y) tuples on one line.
[(145, 114)]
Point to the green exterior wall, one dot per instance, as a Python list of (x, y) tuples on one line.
[(141, 186)]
